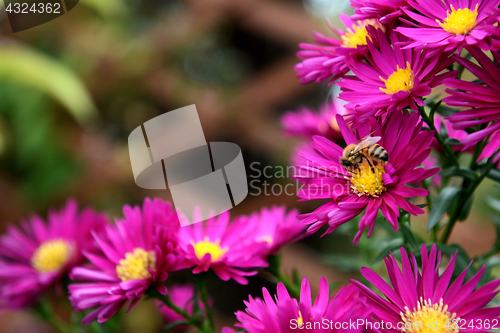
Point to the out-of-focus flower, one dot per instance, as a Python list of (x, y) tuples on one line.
[(326, 60), (384, 10), (135, 254), (483, 99), (432, 162), (449, 23), (223, 247), (275, 227), (419, 298), (393, 78), (307, 123), (287, 315), (371, 187), (38, 255), (183, 297)]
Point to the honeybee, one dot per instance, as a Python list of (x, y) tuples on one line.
[(366, 148)]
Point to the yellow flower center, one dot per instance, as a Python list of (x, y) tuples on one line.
[(267, 239), (300, 320), (367, 180), (206, 246), (135, 265), (334, 124), (401, 80), (461, 21), (430, 318), (357, 34), (51, 255)]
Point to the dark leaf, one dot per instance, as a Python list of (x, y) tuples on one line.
[(452, 142), (175, 324), (391, 246), (464, 213), (461, 172), (441, 205), (408, 235), (493, 203), (494, 174)]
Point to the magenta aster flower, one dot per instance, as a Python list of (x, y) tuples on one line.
[(418, 298), (326, 60), (483, 101), (393, 78), (223, 247), (284, 314), (449, 23), (378, 187), (38, 255), (183, 297), (135, 254), (275, 227), (384, 10), (307, 123)]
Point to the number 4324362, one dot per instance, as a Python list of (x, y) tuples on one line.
[(40, 8)]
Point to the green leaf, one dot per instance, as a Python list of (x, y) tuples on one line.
[(391, 246), (26, 66), (461, 172), (493, 203), (441, 205), (494, 174), (175, 324), (464, 213), (452, 142), (496, 222), (408, 235)]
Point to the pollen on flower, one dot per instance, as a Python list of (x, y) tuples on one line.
[(135, 265), (267, 239), (357, 34), (51, 255), (430, 318), (402, 79), (205, 246), (461, 21), (334, 124), (367, 180)]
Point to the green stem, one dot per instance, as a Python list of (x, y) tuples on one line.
[(169, 303), (275, 269), (201, 281), (447, 148), (469, 191), (45, 312)]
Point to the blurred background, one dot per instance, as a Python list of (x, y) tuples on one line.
[(72, 90)]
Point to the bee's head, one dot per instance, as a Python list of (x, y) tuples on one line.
[(345, 163)]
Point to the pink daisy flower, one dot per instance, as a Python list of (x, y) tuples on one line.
[(307, 123), (380, 186), (284, 314), (223, 247), (417, 298), (275, 227), (326, 59), (38, 255), (135, 254), (393, 78), (483, 101), (449, 23), (384, 10), (183, 297)]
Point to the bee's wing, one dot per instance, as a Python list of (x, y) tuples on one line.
[(366, 142)]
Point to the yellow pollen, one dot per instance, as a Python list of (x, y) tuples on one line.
[(334, 125), (51, 255), (365, 181), (357, 34), (430, 318), (402, 79), (267, 239), (206, 246), (135, 265), (461, 21), (300, 320)]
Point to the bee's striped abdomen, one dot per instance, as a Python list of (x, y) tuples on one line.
[(377, 151)]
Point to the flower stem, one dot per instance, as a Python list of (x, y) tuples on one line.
[(429, 120), (275, 269), (201, 282), (169, 303), (468, 192), (44, 310)]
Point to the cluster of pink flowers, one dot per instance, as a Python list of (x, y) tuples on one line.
[(397, 52), (137, 253)]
